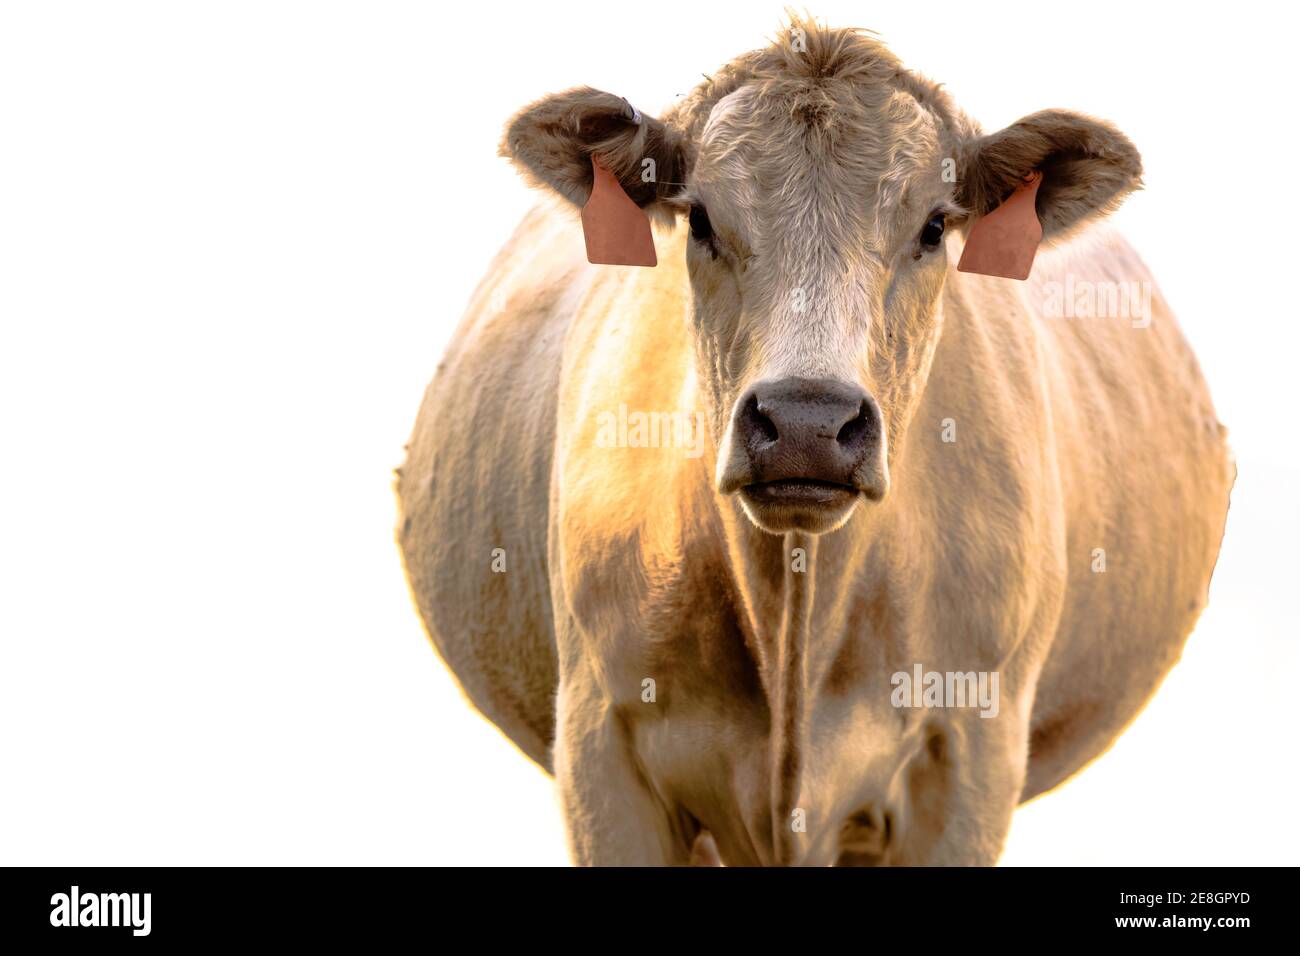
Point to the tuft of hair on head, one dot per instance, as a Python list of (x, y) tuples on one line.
[(810, 49)]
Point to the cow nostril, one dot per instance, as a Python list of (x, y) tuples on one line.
[(855, 430), (760, 424)]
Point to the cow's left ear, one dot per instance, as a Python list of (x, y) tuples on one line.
[(553, 140), (1088, 168)]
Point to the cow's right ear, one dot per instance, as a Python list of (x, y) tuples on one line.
[(552, 141)]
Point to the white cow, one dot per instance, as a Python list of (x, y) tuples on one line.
[(722, 542)]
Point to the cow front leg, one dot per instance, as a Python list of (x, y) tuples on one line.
[(962, 790), (612, 816)]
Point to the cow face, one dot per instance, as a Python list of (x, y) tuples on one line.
[(822, 185), (817, 213)]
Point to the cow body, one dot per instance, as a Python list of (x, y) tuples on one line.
[(771, 725), (851, 465)]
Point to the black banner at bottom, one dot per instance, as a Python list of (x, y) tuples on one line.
[(372, 906)]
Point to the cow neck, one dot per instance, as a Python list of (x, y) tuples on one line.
[(776, 578), (787, 690)]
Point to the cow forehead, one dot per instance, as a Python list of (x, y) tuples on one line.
[(833, 157)]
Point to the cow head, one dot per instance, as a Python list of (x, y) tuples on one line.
[(820, 182)]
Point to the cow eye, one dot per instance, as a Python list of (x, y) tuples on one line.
[(933, 231), (701, 228)]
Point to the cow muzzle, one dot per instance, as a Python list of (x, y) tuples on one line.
[(802, 452)]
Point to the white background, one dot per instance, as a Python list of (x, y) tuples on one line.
[(234, 238)]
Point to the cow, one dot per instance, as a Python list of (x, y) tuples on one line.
[(696, 537)]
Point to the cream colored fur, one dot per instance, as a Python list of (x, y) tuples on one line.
[(625, 564)]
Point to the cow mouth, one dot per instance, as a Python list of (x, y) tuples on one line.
[(800, 491), (798, 504)]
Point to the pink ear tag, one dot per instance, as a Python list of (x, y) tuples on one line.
[(616, 229), (1003, 243)]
